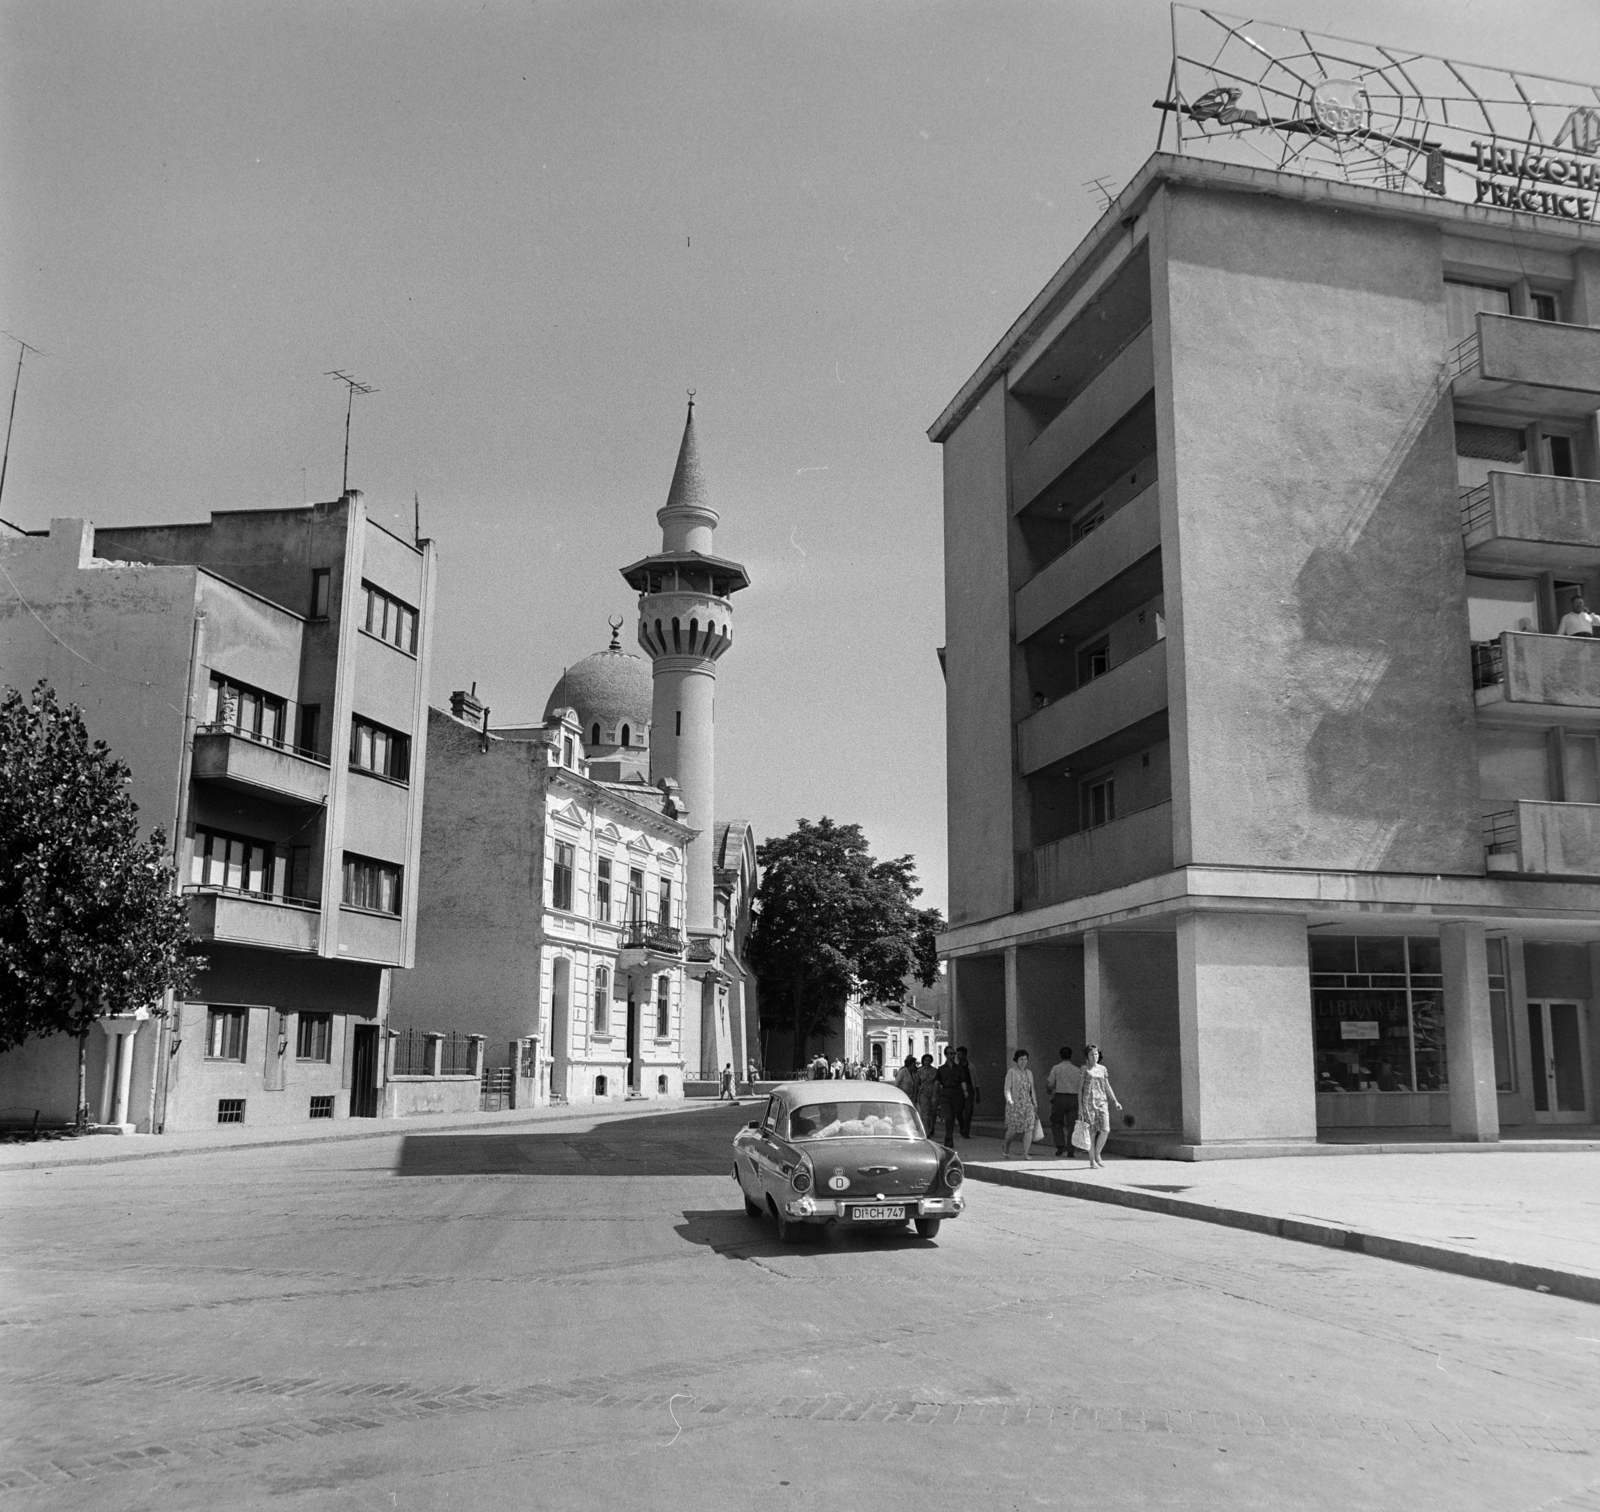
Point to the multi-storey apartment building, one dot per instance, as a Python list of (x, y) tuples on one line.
[(551, 894), (263, 675), (1271, 769)]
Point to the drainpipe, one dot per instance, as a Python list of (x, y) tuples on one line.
[(161, 1070)]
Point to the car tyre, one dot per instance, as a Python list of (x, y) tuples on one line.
[(789, 1232), (753, 1208), (927, 1228)]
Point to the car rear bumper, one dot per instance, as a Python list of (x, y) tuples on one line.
[(810, 1209)]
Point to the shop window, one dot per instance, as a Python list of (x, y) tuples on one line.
[(561, 878), (313, 1039), (1377, 1005), (227, 1030)]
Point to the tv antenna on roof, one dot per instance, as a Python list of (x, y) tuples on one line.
[(23, 348), (356, 387), (1098, 186)]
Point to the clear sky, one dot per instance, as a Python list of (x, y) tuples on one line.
[(533, 226)]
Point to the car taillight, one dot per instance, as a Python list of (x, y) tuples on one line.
[(953, 1174), (800, 1180)]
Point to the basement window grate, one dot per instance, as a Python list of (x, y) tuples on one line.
[(230, 1110), (322, 1107)]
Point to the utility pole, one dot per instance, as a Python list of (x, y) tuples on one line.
[(356, 386), (22, 351)]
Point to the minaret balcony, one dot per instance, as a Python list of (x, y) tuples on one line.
[(685, 624)]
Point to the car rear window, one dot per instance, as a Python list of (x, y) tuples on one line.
[(853, 1120)]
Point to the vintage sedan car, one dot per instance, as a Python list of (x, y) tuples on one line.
[(848, 1153)]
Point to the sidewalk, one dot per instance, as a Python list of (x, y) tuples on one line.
[(105, 1149), (1528, 1218)]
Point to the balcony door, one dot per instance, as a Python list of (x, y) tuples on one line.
[(1558, 1048)]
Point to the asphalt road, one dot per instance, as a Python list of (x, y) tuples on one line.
[(584, 1317)]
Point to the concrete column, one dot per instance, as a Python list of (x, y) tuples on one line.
[(124, 1074), (1091, 987), (108, 1075), (1013, 1003), (1468, 1034), (1244, 1028)]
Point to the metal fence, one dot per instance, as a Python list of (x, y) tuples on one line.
[(410, 1053), (496, 1090), (455, 1055)]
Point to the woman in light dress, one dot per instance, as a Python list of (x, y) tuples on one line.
[(1093, 1100), (1022, 1106)]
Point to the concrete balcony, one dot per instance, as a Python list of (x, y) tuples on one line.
[(1544, 679), (649, 947), (1538, 368), (1529, 522), (1116, 389), (1538, 839), (1090, 570), (243, 762), (236, 918), (1096, 860), (1133, 691), (370, 936)]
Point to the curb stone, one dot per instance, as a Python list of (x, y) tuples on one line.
[(1575, 1285)]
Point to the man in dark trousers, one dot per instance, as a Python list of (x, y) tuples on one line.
[(969, 1089), (952, 1097), (1064, 1081)]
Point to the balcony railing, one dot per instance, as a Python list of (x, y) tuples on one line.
[(1477, 507), (662, 939), (1465, 356), (219, 728), (1488, 663), (1544, 839), (1500, 832)]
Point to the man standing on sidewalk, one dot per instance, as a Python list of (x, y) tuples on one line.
[(951, 1096), (1064, 1081), (969, 1091)]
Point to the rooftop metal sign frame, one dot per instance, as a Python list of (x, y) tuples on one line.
[(1280, 97)]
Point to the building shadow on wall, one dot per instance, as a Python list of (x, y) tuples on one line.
[(663, 1144)]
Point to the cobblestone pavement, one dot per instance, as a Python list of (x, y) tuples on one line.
[(575, 1318)]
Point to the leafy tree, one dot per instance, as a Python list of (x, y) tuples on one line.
[(830, 920), (90, 922)]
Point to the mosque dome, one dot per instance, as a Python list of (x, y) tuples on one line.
[(611, 688)]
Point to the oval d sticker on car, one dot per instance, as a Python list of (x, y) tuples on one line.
[(838, 1182)]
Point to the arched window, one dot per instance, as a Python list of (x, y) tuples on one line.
[(661, 1085), (594, 735), (694, 635), (676, 644), (661, 640), (627, 735), (602, 1000)]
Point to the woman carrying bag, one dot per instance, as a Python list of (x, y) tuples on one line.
[(1093, 1110), (1022, 1107)]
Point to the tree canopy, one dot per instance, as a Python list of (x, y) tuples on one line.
[(831, 919), (90, 923)]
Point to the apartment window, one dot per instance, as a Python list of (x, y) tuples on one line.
[(371, 884), (663, 1008), (245, 710), (235, 862), (635, 895), (313, 1040), (602, 1000), (1558, 456), (566, 751), (390, 620), (1094, 660), (320, 577), (230, 1110), (561, 878), (1088, 522), (321, 1107), (664, 897), (1377, 1007), (226, 1033), (375, 749), (602, 890), (1483, 449), (307, 738), (1544, 307), (1099, 802)]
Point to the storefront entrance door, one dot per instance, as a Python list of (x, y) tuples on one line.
[(1556, 1042)]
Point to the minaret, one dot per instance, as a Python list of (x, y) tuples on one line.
[(685, 625)]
